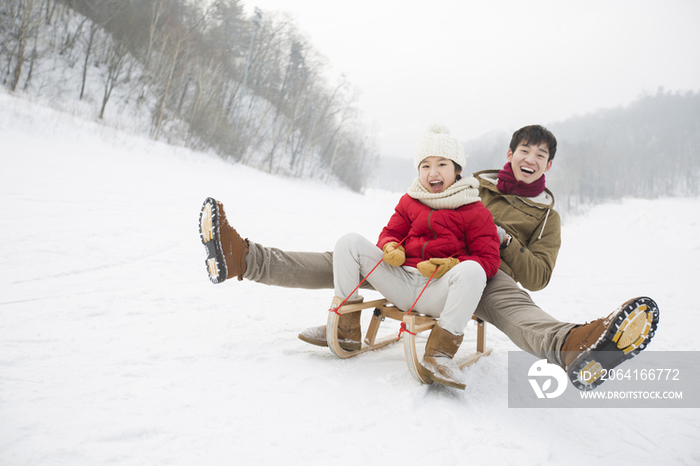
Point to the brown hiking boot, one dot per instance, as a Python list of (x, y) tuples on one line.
[(592, 349), (349, 331), (438, 363), (226, 250)]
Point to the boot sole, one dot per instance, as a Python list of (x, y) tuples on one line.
[(347, 346), (447, 383), (428, 374), (630, 330), (312, 341), (211, 239)]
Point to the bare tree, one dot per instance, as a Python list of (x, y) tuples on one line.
[(168, 84), (26, 17), (34, 54), (88, 50), (118, 71)]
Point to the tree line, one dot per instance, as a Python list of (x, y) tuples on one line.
[(252, 89), (645, 149)]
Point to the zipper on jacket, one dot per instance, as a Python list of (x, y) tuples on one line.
[(425, 245)]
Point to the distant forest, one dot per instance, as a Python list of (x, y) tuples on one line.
[(645, 149), (252, 89)]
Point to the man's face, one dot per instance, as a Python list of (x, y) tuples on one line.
[(529, 162)]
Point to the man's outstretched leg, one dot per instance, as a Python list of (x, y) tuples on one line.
[(229, 255), (605, 342)]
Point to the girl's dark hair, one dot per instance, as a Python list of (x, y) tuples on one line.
[(458, 170)]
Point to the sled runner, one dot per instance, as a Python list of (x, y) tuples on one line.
[(414, 324)]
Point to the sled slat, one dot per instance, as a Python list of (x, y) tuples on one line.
[(360, 306), (480, 335), (373, 328)]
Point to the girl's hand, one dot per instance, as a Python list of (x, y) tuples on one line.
[(394, 254), (427, 268)]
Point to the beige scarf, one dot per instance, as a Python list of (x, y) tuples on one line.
[(464, 191)]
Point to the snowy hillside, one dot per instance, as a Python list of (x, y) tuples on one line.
[(115, 349)]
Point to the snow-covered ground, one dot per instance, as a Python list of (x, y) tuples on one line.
[(115, 349)]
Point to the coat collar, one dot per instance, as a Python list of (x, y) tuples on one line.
[(489, 178)]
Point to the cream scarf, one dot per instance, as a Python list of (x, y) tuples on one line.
[(464, 191)]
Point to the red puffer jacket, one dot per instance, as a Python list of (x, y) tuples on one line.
[(467, 233)]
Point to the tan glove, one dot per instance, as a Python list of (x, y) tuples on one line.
[(394, 254), (426, 268)]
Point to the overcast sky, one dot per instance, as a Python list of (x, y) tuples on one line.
[(480, 66)]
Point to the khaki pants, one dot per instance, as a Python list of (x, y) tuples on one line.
[(503, 303)]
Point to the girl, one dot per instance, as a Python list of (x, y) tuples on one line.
[(440, 229)]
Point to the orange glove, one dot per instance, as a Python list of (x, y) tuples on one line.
[(426, 268), (394, 254)]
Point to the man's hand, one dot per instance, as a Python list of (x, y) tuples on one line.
[(426, 268), (394, 254)]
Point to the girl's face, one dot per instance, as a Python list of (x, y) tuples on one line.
[(436, 174)]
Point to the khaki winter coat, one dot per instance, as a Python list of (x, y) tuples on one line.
[(534, 225)]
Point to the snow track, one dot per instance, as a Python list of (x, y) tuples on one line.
[(115, 349)]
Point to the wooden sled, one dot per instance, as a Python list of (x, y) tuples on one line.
[(415, 324)]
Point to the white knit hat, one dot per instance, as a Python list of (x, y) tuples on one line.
[(437, 142)]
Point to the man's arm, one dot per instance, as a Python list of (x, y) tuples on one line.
[(532, 264)]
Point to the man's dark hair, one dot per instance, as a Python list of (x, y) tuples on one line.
[(534, 135)]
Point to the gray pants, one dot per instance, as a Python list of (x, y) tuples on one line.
[(503, 303), (452, 298)]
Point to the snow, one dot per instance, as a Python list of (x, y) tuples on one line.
[(115, 349)]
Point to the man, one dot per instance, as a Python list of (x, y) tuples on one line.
[(530, 234)]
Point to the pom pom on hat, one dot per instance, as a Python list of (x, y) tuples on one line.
[(438, 142)]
